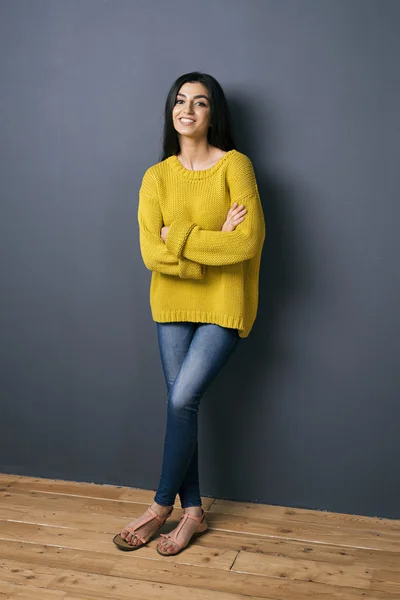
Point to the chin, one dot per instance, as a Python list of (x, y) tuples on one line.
[(187, 133)]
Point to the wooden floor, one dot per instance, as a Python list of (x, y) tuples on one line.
[(56, 543)]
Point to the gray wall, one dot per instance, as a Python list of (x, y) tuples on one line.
[(307, 412)]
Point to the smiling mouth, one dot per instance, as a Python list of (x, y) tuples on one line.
[(186, 121)]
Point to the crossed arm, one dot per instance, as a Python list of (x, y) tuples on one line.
[(155, 253), (188, 247)]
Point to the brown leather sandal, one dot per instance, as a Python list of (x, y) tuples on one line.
[(123, 544), (201, 528)]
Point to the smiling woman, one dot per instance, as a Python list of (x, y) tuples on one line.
[(192, 109), (200, 98), (202, 230)]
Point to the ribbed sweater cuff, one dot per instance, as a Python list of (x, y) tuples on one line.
[(177, 235), (190, 270)]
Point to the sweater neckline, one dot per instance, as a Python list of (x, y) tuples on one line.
[(176, 164)]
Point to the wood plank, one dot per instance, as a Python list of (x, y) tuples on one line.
[(108, 586), (217, 558), (32, 499), (27, 592), (15, 571), (218, 543), (334, 554), (61, 486), (125, 509), (305, 570), (243, 509), (129, 511), (59, 518), (317, 533), (7, 479), (254, 563), (86, 516), (10, 591), (302, 515), (88, 490), (387, 581), (271, 548), (229, 507), (40, 557)]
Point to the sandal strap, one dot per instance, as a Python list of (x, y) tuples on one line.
[(158, 517), (171, 539), (182, 521), (198, 519), (145, 520)]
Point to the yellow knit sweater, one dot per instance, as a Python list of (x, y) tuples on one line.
[(202, 274)]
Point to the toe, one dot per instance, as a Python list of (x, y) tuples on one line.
[(164, 546)]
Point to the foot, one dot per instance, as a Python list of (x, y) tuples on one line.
[(189, 528), (148, 529)]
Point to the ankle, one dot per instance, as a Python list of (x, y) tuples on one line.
[(195, 511), (160, 509)]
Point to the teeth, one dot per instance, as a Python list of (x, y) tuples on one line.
[(187, 120)]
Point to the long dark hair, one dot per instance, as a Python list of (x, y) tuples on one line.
[(219, 135)]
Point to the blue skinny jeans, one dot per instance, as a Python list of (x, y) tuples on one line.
[(192, 354)]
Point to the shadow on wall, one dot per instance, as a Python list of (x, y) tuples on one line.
[(284, 276)]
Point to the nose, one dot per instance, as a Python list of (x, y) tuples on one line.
[(189, 108)]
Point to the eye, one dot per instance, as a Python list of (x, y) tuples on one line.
[(199, 102)]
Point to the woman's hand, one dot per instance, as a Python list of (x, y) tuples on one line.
[(234, 217), (164, 231)]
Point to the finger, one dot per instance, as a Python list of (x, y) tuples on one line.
[(233, 207)]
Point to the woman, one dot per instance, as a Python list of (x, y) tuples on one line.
[(202, 231)]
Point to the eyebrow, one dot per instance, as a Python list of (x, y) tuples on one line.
[(197, 96)]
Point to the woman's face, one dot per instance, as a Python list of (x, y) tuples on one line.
[(192, 111)]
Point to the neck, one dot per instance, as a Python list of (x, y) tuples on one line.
[(193, 152)]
